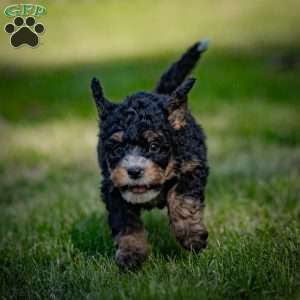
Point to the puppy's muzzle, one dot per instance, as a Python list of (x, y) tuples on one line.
[(138, 178)]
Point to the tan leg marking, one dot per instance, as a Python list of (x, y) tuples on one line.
[(186, 219), (132, 249)]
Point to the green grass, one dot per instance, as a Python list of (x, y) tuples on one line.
[(54, 238)]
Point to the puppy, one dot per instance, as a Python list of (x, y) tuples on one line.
[(152, 153)]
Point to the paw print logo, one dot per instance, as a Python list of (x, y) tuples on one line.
[(24, 33)]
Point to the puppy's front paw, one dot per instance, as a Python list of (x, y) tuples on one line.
[(132, 251), (130, 260), (186, 219), (196, 241)]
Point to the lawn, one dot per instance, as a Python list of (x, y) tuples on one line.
[(54, 238)]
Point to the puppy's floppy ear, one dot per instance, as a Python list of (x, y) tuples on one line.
[(102, 104), (177, 104)]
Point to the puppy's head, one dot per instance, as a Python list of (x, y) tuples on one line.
[(136, 139)]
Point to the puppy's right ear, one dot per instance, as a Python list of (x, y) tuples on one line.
[(177, 104), (102, 104)]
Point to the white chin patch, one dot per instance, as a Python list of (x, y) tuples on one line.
[(140, 197)]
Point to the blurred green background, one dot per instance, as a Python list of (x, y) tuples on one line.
[(54, 238)]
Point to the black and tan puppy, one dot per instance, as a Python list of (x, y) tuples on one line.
[(152, 153)]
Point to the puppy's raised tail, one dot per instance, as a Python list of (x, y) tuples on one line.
[(179, 70)]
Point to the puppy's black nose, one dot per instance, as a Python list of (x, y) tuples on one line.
[(135, 172)]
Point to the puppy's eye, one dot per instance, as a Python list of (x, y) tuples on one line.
[(117, 151), (154, 147)]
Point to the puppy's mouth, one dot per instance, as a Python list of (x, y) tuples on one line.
[(140, 189)]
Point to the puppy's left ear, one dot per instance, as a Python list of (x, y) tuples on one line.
[(102, 104), (177, 105)]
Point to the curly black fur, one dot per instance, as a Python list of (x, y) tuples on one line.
[(178, 142)]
